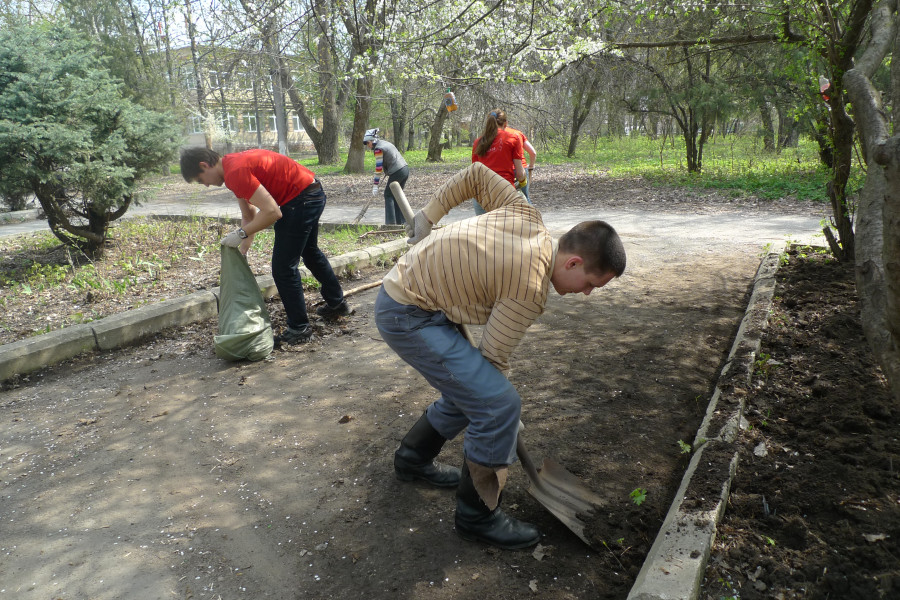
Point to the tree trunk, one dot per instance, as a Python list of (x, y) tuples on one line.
[(842, 137), (198, 74), (878, 213), (787, 127), (356, 154), (768, 129), (586, 93), (437, 128), (399, 111), (270, 45), (332, 100)]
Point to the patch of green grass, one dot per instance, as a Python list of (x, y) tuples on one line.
[(737, 163)]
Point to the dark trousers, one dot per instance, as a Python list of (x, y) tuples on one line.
[(296, 237), (392, 213)]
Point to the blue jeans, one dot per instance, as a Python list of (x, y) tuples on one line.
[(296, 237), (392, 213), (474, 393)]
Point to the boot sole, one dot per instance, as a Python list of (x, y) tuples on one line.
[(471, 537)]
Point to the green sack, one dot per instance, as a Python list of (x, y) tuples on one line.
[(245, 331)]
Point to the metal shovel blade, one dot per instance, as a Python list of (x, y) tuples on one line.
[(560, 492)]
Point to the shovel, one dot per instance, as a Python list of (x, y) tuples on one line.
[(558, 490)]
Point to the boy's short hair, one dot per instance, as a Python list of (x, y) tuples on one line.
[(598, 244), (191, 159)]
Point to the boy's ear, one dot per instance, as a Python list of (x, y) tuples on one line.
[(573, 261)]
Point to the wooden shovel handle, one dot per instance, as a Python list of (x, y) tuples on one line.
[(402, 202)]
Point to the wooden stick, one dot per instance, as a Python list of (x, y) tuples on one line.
[(402, 202), (362, 212), (381, 232), (362, 288), (356, 290)]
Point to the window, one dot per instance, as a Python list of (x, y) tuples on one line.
[(196, 124), (249, 122), (188, 79), (219, 79), (273, 123), (297, 126), (245, 81), (228, 122)]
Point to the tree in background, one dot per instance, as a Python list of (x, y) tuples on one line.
[(69, 136)]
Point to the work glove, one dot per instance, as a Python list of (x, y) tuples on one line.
[(419, 229), (374, 190), (233, 239)]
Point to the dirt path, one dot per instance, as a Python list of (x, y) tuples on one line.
[(160, 471)]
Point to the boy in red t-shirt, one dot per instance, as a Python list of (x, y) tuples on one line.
[(273, 189)]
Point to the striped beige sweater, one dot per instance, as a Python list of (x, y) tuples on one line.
[(492, 270)]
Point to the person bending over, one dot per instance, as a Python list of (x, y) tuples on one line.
[(494, 270), (274, 190)]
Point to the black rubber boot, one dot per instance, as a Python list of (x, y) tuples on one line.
[(414, 459), (475, 521)]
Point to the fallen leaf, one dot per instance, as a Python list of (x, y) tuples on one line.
[(345, 419), (533, 585)]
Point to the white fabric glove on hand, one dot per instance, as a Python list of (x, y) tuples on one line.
[(233, 239), (419, 229), (374, 190)]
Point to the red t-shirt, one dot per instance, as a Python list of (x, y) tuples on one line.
[(505, 149), (521, 137), (282, 177)]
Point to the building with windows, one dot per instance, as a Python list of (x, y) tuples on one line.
[(231, 103)]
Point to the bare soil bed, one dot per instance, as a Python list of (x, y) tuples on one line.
[(814, 511), (160, 471)]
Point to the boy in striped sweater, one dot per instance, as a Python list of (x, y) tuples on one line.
[(494, 270)]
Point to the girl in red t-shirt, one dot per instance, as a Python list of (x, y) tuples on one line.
[(500, 151)]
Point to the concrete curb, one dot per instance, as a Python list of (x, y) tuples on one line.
[(674, 567), (30, 354)]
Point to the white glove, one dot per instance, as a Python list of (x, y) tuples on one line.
[(233, 239), (419, 229), (374, 190)]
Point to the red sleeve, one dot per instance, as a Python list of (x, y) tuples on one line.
[(239, 177)]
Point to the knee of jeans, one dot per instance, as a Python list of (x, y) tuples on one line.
[(285, 274), (313, 254)]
